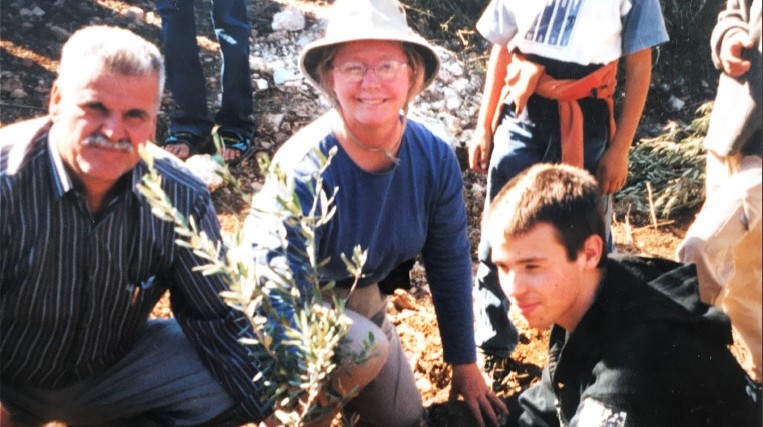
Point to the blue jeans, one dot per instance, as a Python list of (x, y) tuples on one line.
[(183, 67), (161, 381), (520, 142)]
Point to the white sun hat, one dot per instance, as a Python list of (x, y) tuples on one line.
[(352, 20)]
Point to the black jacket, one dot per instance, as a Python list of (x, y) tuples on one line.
[(647, 353)]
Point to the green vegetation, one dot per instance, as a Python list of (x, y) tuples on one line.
[(667, 173), (297, 350)]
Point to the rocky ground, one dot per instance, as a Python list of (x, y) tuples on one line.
[(32, 33)]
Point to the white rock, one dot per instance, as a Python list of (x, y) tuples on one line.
[(274, 120), (261, 84), (135, 13), (37, 11), (468, 113), (453, 123), (460, 85), (276, 64), (19, 93), (454, 68), (258, 64), (290, 19), (12, 84), (444, 54), (437, 105), (284, 75), (204, 167), (444, 77), (59, 33), (304, 39), (676, 103), (424, 385), (453, 100)]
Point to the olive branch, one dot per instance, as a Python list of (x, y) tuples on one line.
[(297, 348)]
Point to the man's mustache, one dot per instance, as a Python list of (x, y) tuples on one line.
[(99, 140)]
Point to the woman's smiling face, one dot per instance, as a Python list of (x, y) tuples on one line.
[(372, 101)]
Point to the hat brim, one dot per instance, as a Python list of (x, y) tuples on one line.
[(313, 52)]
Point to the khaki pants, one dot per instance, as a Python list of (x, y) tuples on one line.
[(725, 244), (391, 399)]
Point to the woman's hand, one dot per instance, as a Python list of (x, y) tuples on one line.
[(485, 406)]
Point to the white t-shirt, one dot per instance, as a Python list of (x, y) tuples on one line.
[(578, 31)]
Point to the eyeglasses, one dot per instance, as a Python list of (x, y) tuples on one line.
[(354, 71)]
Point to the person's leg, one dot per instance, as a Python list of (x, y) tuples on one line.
[(185, 77), (232, 29), (596, 132), (724, 243), (391, 399), (515, 148), (161, 381), (718, 169), (235, 127)]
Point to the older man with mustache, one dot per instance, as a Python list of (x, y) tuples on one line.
[(83, 261)]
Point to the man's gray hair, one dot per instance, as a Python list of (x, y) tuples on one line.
[(112, 49)]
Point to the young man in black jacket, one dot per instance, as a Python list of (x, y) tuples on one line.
[(631, 344)]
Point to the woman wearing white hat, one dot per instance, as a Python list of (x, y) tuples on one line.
[(400, 194)]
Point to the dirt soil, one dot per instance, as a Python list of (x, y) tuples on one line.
[(29, 48)]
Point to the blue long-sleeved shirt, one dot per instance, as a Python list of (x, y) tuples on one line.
[(76, 289), (417, 207)]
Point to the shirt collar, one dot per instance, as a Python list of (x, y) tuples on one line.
[(62, 182)]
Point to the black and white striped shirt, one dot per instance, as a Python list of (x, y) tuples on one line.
[(76, 290)]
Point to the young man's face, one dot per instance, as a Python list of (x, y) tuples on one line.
[(542, 283), (101, 120)]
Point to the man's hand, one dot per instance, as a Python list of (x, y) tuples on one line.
[(479, 150), (731, 53), (468, 382), (612, 170)]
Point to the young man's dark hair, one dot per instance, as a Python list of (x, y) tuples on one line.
[(564, 196)]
